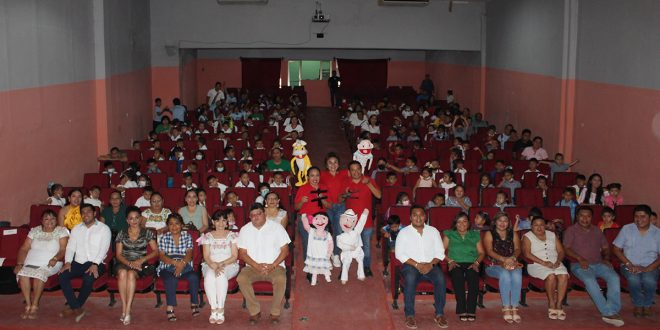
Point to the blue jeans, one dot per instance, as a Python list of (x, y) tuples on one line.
[(641, 286), (606, 306), (334, 212), (366, 245), (510, 284), (411, 277), (172, 281), (78, 270), (304, 235)]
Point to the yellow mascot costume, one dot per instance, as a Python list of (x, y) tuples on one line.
[(300, 162)]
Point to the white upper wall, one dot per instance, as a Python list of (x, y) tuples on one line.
[(354, 24)]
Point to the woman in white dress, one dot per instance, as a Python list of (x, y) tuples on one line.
[(220, 264), (273, 210), (545, 253), (155, 217), (39, 258)]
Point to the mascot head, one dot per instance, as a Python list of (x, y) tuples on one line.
[(365, 147), (299, 149), (348, 220), (320, 220)]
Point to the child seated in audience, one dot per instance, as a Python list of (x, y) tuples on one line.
[(291, 136), (259, 145), (191, 168), (109, 168), (396, 155), (381, 166), (481, 221), (393, 135), (201, 197), (199, 155), (158, 154), (177, 154), (434, 165), (145, 199), (94, 197), (244, 180), (246, 154), (500, 167), (425, 180), (222, 137), (188, 183), (227, 128), (437, 201), (558, 164), (613, 198), (214, 183), (502, 201), (447, 182), (278, 181), (201, 129), (412, 136), (231, 219), (542, 184), (152, 166), (402, 199), (218, 167), (391, 179), (609, 219), (410, 166), (201, 143), (580, 186), (459, 169), (232, 200), (115, 154), (485, 182), (155, 145), (246, 166), (509, 182), (230, 153), (264, 189), (56, 195), (533, 168), (391, 230), (568, 200), (175, 134)]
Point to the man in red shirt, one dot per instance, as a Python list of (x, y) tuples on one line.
[(362, 189)]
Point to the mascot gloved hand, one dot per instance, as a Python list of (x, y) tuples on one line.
[(350, 242), (319, 246), (363, 154), (300, 162)]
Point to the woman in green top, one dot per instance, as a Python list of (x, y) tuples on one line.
[(115, 215), (464, 256), (164, 126), (276, 163)]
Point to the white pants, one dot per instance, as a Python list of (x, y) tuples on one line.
[(216, 286), (346, 259)]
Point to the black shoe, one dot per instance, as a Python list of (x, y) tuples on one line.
[(367, 272), (309, 278)]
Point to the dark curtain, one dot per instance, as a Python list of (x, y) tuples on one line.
[(359, 76), (260, 73)]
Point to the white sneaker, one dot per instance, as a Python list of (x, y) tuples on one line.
[(335, 261), (614, 320)]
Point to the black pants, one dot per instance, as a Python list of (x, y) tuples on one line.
[(461, 275), (334, 98)]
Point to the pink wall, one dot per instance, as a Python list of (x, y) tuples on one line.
[(464, 80), (228, 72), (49, 134), (165, 84), (526, 101), (617, 134)]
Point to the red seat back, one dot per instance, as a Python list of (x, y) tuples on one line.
[(403, 212), (442, 217)]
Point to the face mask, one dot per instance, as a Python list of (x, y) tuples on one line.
[(142, 184), (264, 193), (220, 169), (111, 170), (199, 157), (405, 203), (381, 167)]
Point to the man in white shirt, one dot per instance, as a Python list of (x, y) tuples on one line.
[(263, 246), (215, 95), (420, 249), (87, 247), (535, 151)]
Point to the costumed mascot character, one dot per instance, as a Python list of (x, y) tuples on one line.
[(350, 242), (300, 162), (319, 246), (363, 154)]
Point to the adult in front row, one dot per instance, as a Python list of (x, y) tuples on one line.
[(131, 248), (39, 258), (263, 246), (638, 248), (421, 264), (87, 247), (590, 251)]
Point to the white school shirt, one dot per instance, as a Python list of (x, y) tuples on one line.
[(212, 96), (240, 184), (263, 245), (93, 201), (420, 248), (142, 202), (88, 243)]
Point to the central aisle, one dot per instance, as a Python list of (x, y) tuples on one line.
[(333, 305)]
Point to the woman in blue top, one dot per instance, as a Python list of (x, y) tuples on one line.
[(176, 254)]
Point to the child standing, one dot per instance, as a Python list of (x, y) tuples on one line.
[(319, 247)]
